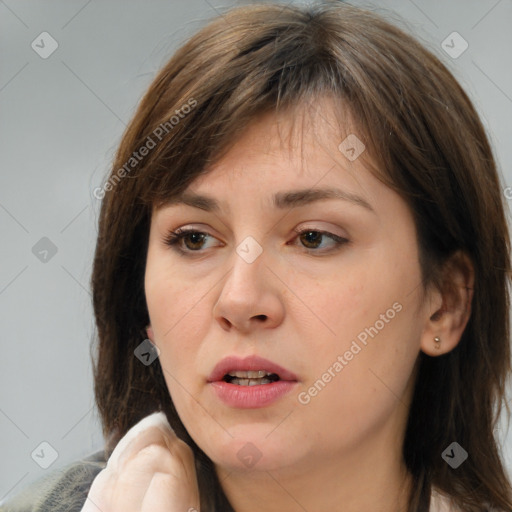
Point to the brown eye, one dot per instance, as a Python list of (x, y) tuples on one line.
[(312, 239), (188, 241), (193, 239)]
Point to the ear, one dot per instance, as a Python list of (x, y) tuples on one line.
[(449, 309), (150, 334)]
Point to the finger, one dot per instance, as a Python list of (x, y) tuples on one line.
[(183, 454), (165, 494), (131, 486)]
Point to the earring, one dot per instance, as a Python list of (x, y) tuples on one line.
[(437, 340)]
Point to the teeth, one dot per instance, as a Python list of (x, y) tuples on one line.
[(249, 375), (250, 382)]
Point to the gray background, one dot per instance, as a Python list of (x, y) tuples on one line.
[(61, 120)]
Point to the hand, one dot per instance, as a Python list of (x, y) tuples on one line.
[(150, 470)]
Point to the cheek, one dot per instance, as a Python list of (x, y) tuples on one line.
[(177, 311), (365, 393), (374, 328), (329, 314), (179, 331), (169, 295), (347, 401)]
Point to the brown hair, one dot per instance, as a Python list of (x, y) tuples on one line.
[(421, 129)]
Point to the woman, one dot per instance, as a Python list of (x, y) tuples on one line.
[(305, 220)]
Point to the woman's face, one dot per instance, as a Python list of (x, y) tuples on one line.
[(338, 316)]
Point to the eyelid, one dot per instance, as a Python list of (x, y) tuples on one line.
[(327, 231)]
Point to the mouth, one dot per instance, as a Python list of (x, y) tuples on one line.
[(250, 383), (249, 371), (250, 378)]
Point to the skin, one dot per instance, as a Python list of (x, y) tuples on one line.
[(300, 309)]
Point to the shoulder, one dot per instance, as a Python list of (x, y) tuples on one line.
[(63, 489)]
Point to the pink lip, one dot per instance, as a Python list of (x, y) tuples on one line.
[(250, 397), (251, 363)]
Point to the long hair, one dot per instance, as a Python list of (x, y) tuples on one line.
[(421, 129)]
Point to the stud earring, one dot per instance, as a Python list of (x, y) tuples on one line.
[(437, 340)]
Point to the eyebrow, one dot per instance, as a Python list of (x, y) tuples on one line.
[(280, 200)]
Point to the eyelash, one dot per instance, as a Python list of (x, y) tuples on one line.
[(173, 239)]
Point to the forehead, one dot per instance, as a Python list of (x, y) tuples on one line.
[(288, 159), (296, 148)]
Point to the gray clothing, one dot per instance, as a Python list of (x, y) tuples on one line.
[(62, 490)]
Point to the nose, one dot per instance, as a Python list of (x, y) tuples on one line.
[(250, 296)]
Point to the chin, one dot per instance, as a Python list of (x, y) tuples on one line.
[(250, 450)]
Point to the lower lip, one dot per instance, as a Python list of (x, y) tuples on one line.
[(252, 397)]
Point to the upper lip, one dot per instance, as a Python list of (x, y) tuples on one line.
[(251, 363)]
